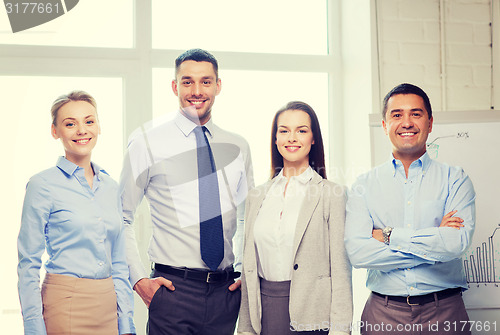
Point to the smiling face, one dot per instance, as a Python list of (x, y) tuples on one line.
[(294, 138), (408, 125), (77, 128), (196, 85)]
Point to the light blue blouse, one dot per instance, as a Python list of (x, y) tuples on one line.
[(81, 229)]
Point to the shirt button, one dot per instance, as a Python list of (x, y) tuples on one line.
[(99, 219), (409, 202), (411, 288), (399, 247), (296, 266), (408, 269), (409, 225), (101, 263)]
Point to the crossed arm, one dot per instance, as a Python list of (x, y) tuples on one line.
[(408, 247), (448, 221)]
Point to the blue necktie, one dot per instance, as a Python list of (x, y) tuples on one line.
[(211, 233)]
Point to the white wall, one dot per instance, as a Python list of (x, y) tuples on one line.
[(443, 46), (358, 83)]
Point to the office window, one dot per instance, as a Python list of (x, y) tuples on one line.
[(247, 104), (278, 26), (91, 23), (270, 53), (31, 148)]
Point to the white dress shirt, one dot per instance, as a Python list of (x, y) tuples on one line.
[(275, 224), (161, 165)]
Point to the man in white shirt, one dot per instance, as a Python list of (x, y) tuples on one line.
[(195, 214)]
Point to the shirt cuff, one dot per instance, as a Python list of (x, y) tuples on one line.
[(35, 326), (126, 325), (400, 239), (136, 275), (237, 267)]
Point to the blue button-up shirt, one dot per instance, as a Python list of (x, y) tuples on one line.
[(81, 229), (421, 257)]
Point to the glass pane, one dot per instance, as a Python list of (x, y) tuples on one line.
[(30, 148), (248, 102), (91, 23), (278, 26)]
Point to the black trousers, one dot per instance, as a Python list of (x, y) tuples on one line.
[(193, 308)]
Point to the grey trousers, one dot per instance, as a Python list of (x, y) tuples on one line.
[(445, 316), (275, 300), (194, 307)]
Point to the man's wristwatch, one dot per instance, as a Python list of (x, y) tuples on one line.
[(386, 232)]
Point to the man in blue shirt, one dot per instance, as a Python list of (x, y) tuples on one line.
[(408, 222)]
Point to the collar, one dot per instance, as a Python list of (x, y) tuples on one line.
[(187, 126), (423, 161), (303, 178), (70, 168)]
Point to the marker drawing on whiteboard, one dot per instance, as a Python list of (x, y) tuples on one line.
[(480, 266), (433, 148)]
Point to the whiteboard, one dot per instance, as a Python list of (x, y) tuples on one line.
[(470, 139)]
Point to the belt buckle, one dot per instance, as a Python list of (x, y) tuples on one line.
[(408, 302), (208, 277)]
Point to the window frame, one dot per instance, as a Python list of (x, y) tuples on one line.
[(135, 66)]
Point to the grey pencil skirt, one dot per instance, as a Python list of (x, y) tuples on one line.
[(275, 299)]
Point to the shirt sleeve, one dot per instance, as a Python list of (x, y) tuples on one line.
[(133, 182), (442, 244), (245, 185), (123, 289), (249, 170), (31, 245), (365, 251), (239, 237)]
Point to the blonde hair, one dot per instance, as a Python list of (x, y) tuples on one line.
[(71, 96)]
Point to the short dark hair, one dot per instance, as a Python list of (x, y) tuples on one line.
[(406, 88), (198, 55), (317, 153)]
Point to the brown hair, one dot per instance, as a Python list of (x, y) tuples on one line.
[(317, 153)]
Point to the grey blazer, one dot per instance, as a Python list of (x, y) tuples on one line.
[(321, 287)]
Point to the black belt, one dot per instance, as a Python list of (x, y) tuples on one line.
[(199, 275), (422, 299)]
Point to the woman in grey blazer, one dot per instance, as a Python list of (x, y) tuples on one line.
[(296, 274)]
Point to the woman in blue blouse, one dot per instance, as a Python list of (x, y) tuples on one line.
[(73, 211)]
